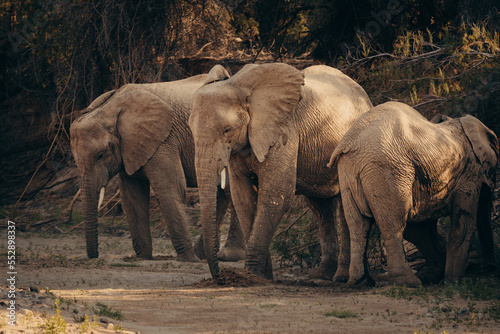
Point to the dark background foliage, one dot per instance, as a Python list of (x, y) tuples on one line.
[(56, 56)]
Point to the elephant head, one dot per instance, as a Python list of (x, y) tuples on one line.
[(119, 133), (485, 146), (247, 113)]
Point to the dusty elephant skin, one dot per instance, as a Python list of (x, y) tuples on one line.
[(404, 172), (270, 130), (140, 132)]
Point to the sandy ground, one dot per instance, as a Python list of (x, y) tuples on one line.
[(165, 296)]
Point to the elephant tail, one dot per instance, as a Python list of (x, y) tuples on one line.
[(342, 148)]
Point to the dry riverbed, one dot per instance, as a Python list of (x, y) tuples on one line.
[(57, 286)]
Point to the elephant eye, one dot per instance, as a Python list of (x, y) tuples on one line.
[(226, 130), (99, 155)]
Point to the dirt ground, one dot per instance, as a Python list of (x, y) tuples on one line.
[(166, 296)]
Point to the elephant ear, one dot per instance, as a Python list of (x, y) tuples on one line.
[(100, 100), (217, 73), (144, 122), (273, 91), (484, 142)]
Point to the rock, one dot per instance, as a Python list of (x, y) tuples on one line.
[(104, 320), (43, 307), (25, 312), (34, 289), (445, 309), (110, 326)]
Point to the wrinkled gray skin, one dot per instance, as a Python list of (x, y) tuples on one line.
[(271, 128), (140, 132), (404, 172)]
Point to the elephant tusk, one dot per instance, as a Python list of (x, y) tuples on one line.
[(223, 178), (101, 197)]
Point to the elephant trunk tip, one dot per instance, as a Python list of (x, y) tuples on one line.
[(92, 255)]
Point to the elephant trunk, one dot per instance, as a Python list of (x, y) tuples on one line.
[(207, 179), (90, 197)]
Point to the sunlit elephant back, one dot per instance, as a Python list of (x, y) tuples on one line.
[(404, 172)]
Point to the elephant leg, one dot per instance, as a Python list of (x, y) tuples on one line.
[(326, 210), (484, 230), (244, 198), (165, 172), (390, 206), (273, 200), (134, 195), (425, 237), (462, 228), (235, 247), (359, 230), (342, 273), (199, 248)]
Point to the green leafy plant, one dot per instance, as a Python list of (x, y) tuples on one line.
[(87, 325), (55, 324), (107, 311)]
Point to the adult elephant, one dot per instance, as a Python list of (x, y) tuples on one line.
[(140, 132), (404, 172), (270, 129)]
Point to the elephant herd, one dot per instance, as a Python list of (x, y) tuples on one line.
[(256, 139)]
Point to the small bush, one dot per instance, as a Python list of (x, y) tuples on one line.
[(107, 311), (55, 324)]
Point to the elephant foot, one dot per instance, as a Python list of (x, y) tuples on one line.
[(409, 280), (323, 271), (231, 254), (262, 274), (489, 268), (188, 256), (340, 278), (342, 275), (266, 273), (366, 281), (146, 255), (431, 274)]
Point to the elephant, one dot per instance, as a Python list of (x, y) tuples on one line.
[(403, 172), (140, 132), (270, 130)]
